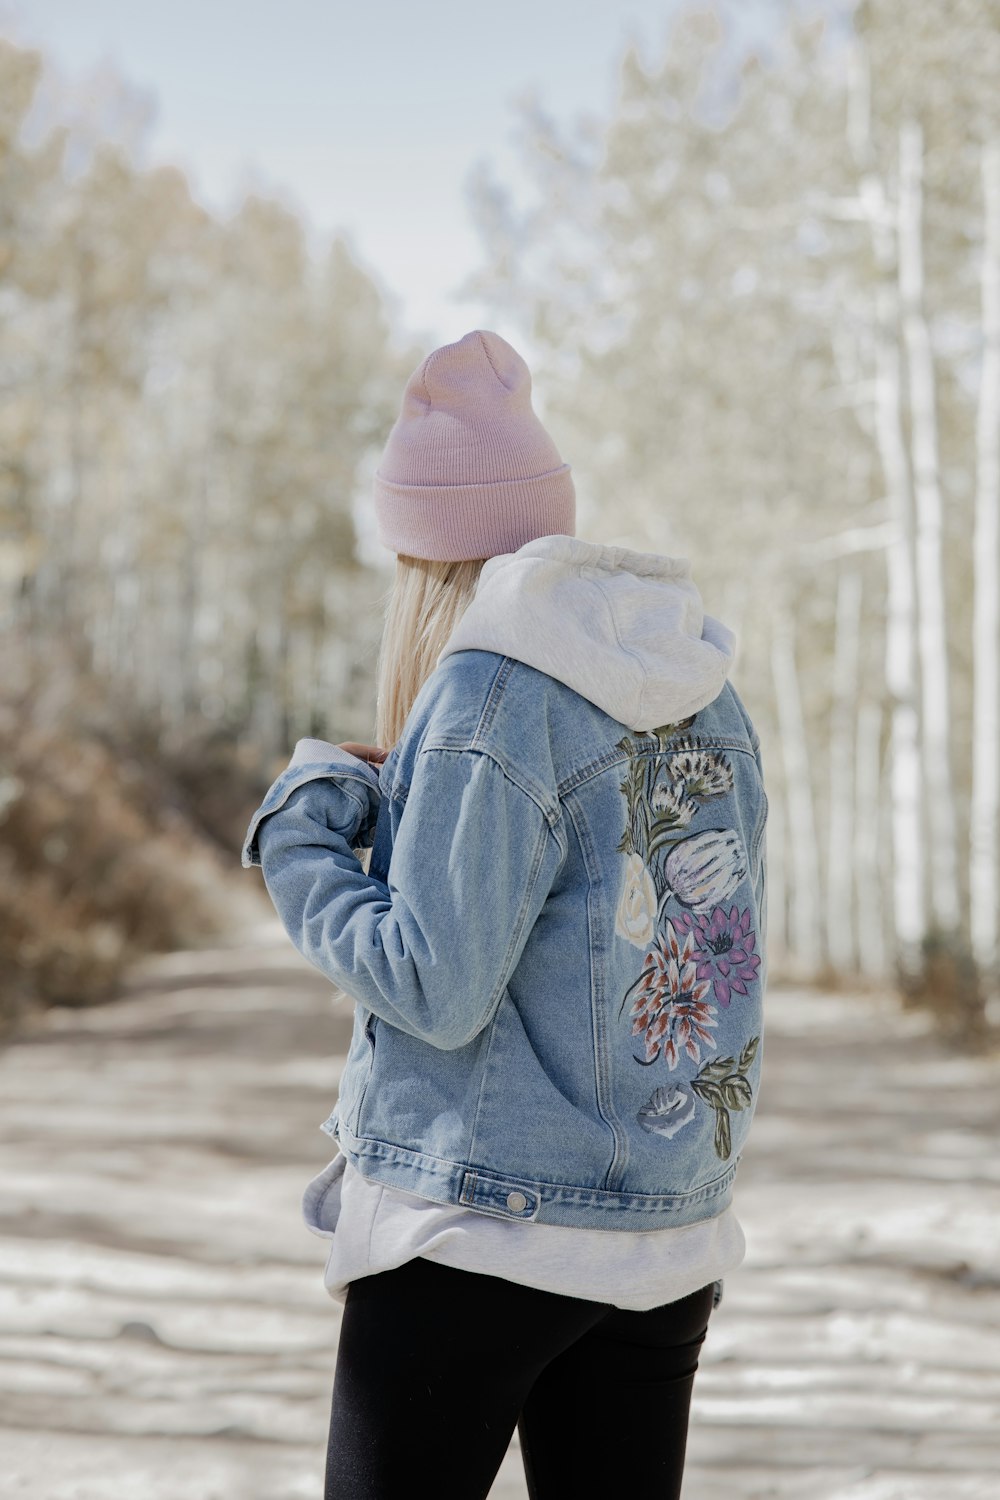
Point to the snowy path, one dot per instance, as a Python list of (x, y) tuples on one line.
[(164, 1330)]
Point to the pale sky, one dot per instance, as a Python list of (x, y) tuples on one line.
[(366, 118)]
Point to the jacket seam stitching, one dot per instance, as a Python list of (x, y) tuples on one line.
[(608, 1114), (482, 1086), (401, 789), (610, 759), (444, 1164), (758, 832), (551, 818), (518, 924), (492, 703)]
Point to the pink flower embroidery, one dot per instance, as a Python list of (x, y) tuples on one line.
[(724, 943)]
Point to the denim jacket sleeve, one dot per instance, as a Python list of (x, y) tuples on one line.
[(432, 950), (359, 791)]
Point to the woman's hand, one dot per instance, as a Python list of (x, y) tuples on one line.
[(371, 753)]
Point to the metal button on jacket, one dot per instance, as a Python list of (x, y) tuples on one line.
[(516, 1201)]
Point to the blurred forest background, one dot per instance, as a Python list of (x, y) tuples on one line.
[(768, 310)]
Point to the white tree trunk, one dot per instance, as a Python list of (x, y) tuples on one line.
[(908, 906), (840, 933), (872, 952), (778, 941), (805, 943), (983, 831), (907, 844), (939, 785)]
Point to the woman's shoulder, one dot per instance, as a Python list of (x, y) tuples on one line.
[(457, 707)]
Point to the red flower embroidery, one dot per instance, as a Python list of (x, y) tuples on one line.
[(669, 1004)]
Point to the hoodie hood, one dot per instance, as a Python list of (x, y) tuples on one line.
[(625, 629)]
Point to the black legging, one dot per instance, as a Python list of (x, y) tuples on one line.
[(437, 1366)]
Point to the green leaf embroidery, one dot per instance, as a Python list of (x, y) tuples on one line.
[(725, 1087), (719, 1067), (710, 1092), (736, 1092), (749, 1053), (651, 832)]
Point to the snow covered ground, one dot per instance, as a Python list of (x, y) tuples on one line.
[(164, 1330)]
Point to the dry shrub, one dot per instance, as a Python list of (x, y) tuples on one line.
[(949, 985), (96, 867)]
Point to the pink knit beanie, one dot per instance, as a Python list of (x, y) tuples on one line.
[(469, 470)]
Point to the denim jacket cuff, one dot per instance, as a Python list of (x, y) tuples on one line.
[(312, 760)]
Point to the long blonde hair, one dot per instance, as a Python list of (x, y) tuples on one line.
[(423, 604)]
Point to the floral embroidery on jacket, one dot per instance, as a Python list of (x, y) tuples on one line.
[(699, 955), (725, 942), (670, 1004), (724, 1085), (637, 908), (667, 1110)]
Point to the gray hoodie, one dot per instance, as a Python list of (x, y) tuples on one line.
[(626, 629)]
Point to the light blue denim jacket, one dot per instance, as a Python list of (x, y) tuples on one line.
[(558, 951)]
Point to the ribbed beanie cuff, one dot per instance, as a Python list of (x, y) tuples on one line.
[(469, 470)]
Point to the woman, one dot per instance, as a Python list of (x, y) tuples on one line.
[(557, 958)]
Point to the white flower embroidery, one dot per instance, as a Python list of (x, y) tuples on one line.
[(636, 916), (667, 1110), (705, 869)]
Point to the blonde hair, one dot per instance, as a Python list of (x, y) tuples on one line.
[(424, 603)]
